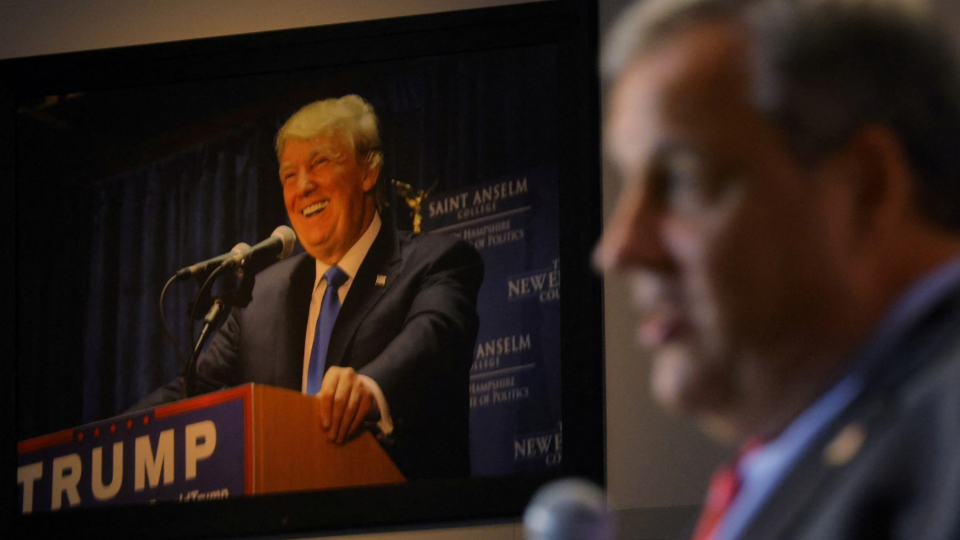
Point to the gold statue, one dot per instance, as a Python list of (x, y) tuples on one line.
[(414, 200)]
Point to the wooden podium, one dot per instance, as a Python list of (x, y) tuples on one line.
[(247, 440)]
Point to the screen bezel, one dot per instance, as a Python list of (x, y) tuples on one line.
[(571, 26)]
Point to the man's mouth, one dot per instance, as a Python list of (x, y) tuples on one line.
[(315, 208), (664, 316), (657, 330), (661, 324)]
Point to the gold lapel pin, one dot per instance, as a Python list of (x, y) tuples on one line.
[(381, 280), (845, 445)]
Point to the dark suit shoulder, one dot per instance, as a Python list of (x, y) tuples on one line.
[(281, 270), (889, 467), (276, 278)]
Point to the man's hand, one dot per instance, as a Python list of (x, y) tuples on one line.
[(345, 402)]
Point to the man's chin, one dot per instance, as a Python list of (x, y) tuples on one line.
[(682, 382), (320, 250)]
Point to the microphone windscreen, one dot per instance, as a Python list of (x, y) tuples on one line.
[(289, 239), (569, 509)]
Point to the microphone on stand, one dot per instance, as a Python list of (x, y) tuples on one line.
[(569, 509), (243, 257), (204, 268), (254, 259), (246, 261)]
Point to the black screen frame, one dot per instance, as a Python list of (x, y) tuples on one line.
[(571, 26)]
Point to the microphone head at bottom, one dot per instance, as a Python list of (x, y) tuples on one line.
[(569, 509)]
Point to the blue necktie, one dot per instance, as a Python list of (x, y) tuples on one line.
[(329, 308)]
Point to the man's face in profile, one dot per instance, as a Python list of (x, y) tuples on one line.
[(324, 191), (726, 242)]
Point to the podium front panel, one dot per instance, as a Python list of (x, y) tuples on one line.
[(199, 449)]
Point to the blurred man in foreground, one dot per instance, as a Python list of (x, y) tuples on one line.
[(790, 226)]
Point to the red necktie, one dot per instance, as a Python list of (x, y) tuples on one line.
[(724, 486)]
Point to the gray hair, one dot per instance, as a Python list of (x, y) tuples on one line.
[(643, 25), (826, 68)]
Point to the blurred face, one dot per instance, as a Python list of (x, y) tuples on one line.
[(328, 195), (727, 244)]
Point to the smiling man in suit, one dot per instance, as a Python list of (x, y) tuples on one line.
[(790, 226), (378, 324)]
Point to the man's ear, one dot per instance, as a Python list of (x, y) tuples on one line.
[(370, 178), (879, 178)]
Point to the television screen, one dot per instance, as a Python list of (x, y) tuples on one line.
[(150, 159)]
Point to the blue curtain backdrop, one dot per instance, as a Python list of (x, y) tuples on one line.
[(90, 339), (184, 208)]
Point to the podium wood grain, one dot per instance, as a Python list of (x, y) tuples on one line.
[(291, 451)]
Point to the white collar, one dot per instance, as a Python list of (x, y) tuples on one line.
[(353, 258)]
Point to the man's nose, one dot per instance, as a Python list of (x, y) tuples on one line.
[(632, 238), (305, 183)]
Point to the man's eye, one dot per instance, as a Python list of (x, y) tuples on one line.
[(679, 183), (682, 175), (318, 162)]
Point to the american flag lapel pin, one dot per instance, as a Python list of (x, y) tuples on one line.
[(381, 280), (845, 445)]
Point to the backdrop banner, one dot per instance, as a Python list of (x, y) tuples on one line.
[(515, 418)]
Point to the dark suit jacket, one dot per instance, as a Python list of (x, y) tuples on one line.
[(904, 480), (414, 336)]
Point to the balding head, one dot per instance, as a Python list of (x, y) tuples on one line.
[(760, 254)]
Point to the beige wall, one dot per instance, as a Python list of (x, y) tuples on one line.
[(32, 27), (653, 461)]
